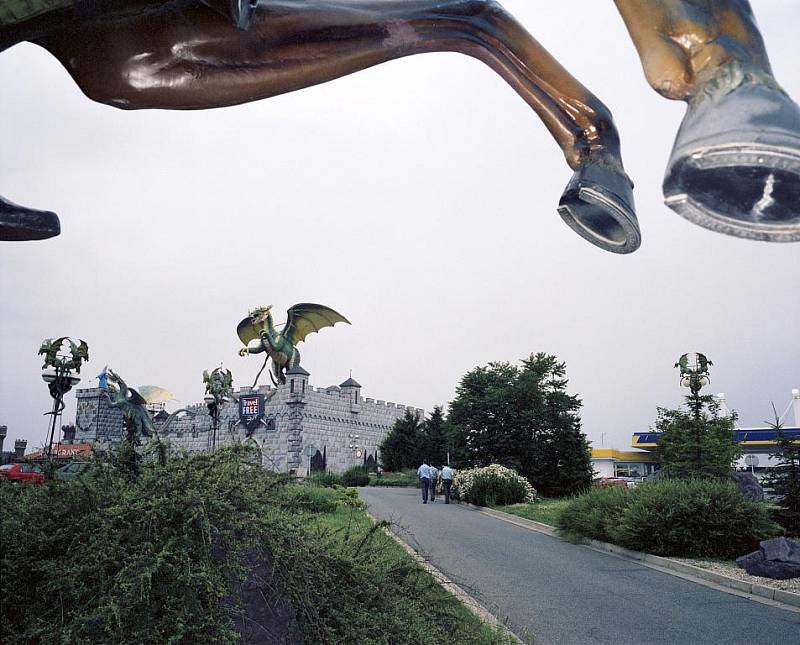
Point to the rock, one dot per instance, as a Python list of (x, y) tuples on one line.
[(781, 549), (748, 485), (777, 558)]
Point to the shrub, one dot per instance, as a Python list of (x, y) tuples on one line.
[(594, 514), (355, 476), (407, 478), (694, 517), (311, 499), (492, 485), (348, 497), (324, 479), (690, 517)]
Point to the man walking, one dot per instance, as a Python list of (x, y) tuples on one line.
[(447, 481), (434, 479), (424, 472)]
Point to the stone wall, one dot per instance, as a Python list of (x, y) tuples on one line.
[(298, 420)]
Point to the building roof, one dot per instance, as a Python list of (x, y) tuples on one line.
[(62, 450), (297, 370), (622, 455), (351, 382), (743, 436)]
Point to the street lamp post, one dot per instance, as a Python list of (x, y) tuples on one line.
[(219, 390), (695, 376), (60, 372)]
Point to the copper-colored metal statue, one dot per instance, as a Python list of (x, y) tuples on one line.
[(736, 163)]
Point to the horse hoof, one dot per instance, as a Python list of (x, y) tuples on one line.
[(18, 223), (735, 167), (598, 205)]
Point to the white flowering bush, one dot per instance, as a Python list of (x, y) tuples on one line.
[(492, 485)]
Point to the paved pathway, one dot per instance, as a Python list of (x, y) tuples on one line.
[(566, 594)]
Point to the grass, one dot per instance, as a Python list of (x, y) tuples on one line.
[(405, 478), (544, 510)]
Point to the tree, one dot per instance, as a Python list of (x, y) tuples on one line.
[(401, 447), (698, 442), (784, 479), (523, 418), (434, 438)]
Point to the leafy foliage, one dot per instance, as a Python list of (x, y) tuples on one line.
[(491, 486), (355, 476), (108, 559), (595, 514), (784, 480), (523, 418), (434, 439), (406, 478), (698, 442), (678, 517), (402, 446)]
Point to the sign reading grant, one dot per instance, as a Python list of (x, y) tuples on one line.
[(251, 409)]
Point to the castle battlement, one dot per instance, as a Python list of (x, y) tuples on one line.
[(300, 422)]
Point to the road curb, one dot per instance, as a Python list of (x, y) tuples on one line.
[(759, 593), (451, 587)]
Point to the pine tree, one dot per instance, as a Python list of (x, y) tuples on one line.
[(434, 438), (784, 479), (698, 442), (402, 446)]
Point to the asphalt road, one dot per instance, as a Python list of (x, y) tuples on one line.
[(566, 594)]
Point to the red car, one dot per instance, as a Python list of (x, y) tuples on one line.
[(22, 473)]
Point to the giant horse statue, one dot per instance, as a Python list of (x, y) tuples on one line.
[(735, 167)]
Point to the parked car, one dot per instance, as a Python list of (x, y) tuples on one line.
[(22, 473), (607, 482), (71, 470)]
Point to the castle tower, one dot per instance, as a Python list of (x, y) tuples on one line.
[(3, 434), (352, 389), (297, 380), (19, 448)]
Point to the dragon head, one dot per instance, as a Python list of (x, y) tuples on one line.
[(260, 314)]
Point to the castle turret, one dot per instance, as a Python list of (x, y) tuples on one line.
[(352, 389), (3, 434), (297, 378), (19, 448)]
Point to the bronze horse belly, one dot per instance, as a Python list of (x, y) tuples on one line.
[(735, 166)]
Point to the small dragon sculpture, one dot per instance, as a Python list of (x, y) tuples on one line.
[(281, 344), (79, 352), (694, 375)]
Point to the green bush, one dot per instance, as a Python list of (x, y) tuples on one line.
[(594, 514), (403, 478), (693, 518), (152, 559), (687, 517), (355, 476), (311, 499), (492, 485), (324, 479)]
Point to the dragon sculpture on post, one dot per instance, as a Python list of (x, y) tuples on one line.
[(281, 344)]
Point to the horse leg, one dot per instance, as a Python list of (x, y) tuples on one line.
[(197, 60), (735, 166)]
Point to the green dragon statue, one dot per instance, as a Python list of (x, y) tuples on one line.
[(136, 418), (219, 383), (281, 344), (694, 374), (79, 352)]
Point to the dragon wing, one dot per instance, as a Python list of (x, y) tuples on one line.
[(306, 318), (155, 394), (247, 330)]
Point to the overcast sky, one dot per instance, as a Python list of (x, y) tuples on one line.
[(417, 198)]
